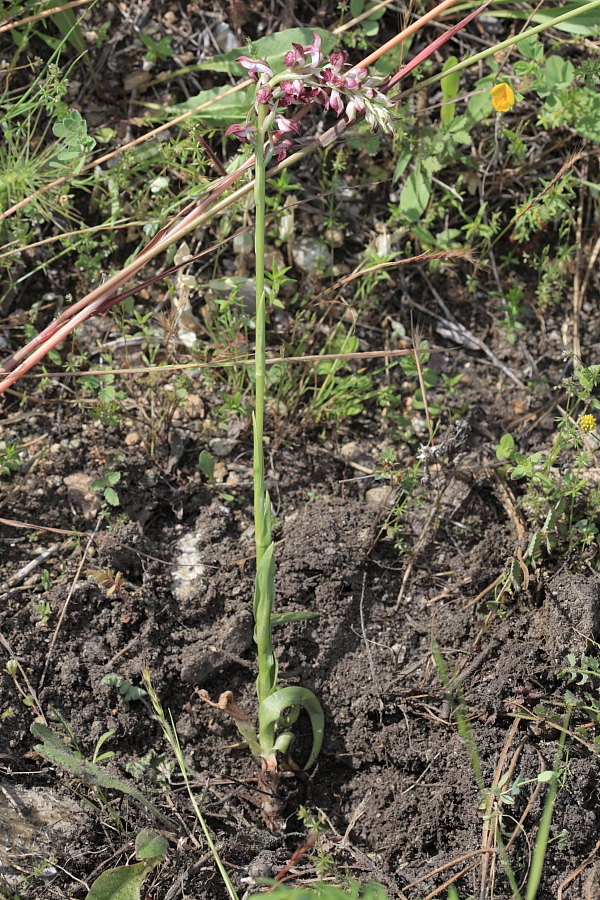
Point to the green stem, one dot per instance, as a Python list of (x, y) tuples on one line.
[(541, 841), (264, 590), (259, 342)]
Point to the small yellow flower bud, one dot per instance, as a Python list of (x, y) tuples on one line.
[(587, 423), (503, 97)]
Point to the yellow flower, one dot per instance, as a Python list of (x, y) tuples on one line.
[(503, 97), (587, 423)]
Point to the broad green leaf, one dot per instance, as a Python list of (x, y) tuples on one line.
[(122, 883), (449, 85), (480, 105), (224, 111), (546, 776), (150, 845), (415, 194), (532, 48), (505, 446), (340, 343), (271, 710), (272, 48), (128, 692)]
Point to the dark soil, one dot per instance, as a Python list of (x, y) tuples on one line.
[(392, 758), (396, 776)]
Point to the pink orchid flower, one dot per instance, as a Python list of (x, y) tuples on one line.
[(255, 67), (285, 126)]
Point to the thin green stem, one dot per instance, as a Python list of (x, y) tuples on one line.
[(541, 841), (259, 341), (264, 591)]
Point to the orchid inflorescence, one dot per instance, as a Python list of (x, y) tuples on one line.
[(309, 79)]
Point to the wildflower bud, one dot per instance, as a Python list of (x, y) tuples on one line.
[(354, 108), (286, 125), (243, 133), (336, 103), (338, 60), (264, 94), (294, 57)]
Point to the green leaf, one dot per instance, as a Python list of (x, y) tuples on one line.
[(264, 596), (128, 692), (586, 122), (56, 752), (206, 464), (272, 48), (150, 845), (285, 618), (225, 111), (340, 343), (449, 85), (546, 776), (556, 74), (401, 163), (122, 883), (505, 447), (358, 6), (532, 48), (415, 194), (112, 477), (272, 708), (111, 496)]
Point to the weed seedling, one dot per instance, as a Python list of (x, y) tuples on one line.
[(105, 485)]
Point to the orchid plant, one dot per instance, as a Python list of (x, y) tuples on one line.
[(307, 80), (273, 129)]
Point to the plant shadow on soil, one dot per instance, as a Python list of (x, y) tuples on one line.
[(392, 751)]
